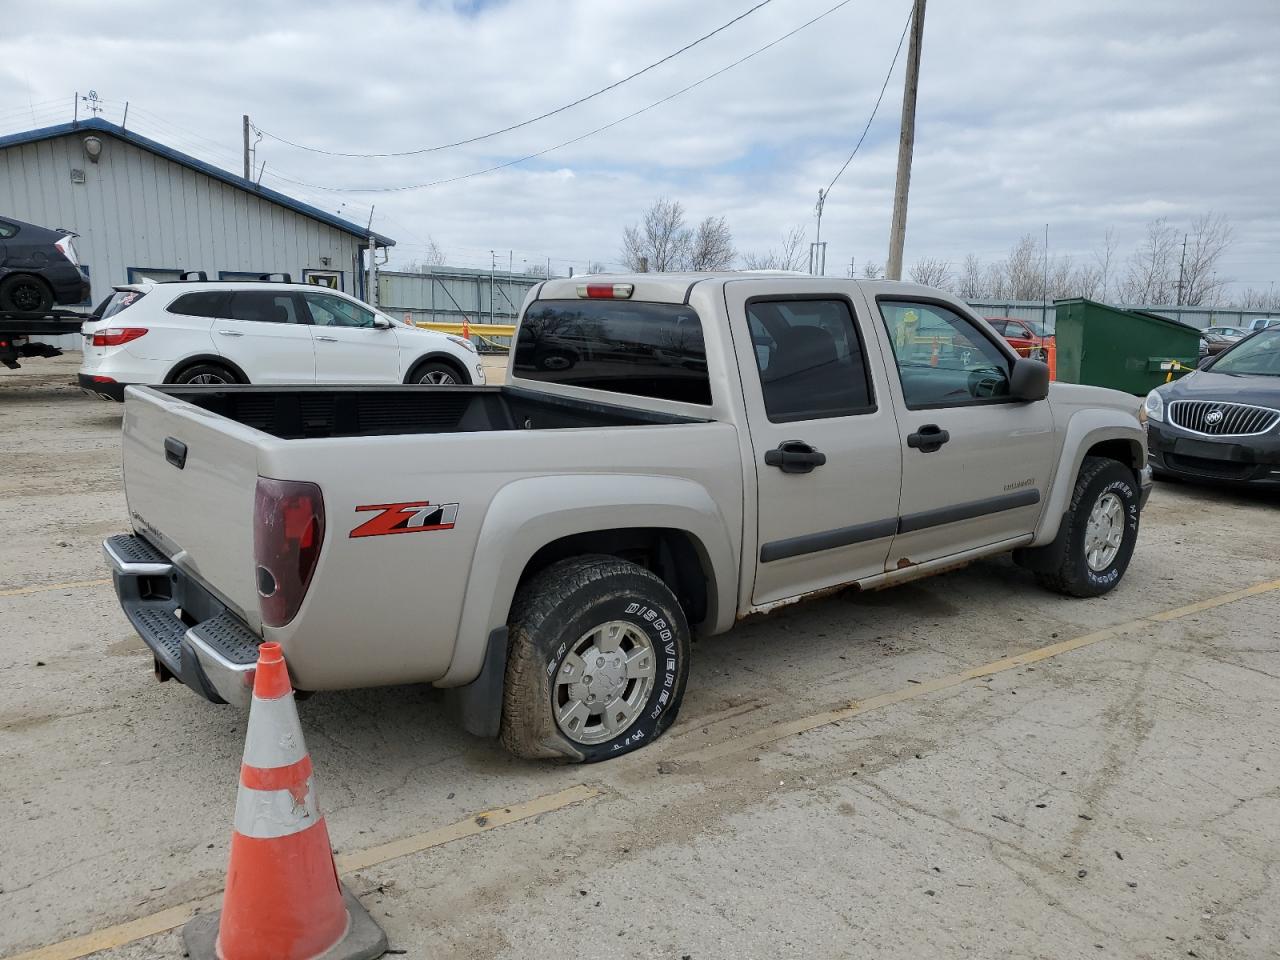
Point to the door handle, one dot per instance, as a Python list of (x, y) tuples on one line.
[(794, 456), (327, 339), (928, 438), (231, 333)]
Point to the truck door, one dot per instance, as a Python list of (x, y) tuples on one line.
[(975, 464), (823, 434)]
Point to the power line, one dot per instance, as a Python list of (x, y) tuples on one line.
[(531, 120), (883, 87), (581, 137)]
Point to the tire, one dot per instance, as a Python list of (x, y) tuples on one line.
[(1083, 561), (438, 374), (565, 611), (23, 293), (206, 373)]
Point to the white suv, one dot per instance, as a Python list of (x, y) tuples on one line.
[(259, 332)]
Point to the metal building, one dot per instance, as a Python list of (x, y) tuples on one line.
[(454, 294), (142, 209)]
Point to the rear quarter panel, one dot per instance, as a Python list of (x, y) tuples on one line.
[(388, 608)]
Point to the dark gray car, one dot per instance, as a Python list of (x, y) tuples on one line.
[(38, 268), (1221, 422)]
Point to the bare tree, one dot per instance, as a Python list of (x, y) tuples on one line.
[(872, 271), (1149, 278), (1105, 258), (997, 281), (972, 281), (661, 242), (1024, 270), (791, 256), (932, 272), (712, 246), (433, 256), (595, 266), (1251, 298), (1209, 239)]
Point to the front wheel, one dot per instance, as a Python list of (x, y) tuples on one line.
[(1095, 542), (598, 660), (438, 374)]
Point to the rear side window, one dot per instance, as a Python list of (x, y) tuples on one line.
[(119, 301), (810, 359), (263, 306), (642, 349), (7, 230), (204, 304)]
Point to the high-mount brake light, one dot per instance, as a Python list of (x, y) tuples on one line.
[(117, 336), (606, 291), (288, 530)]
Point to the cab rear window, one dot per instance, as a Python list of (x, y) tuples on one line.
[(623, 346)]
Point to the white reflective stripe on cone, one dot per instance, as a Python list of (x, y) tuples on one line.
[(268, 814), (275, 735)]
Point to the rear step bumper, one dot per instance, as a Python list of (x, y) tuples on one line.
[(209, 648)]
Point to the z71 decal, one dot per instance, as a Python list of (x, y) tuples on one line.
[(406, 518)]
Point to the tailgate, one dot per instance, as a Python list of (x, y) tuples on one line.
[(189, 478)]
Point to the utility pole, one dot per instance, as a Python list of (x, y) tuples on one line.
[(1044, 312), (1182, 267), (244, 128), (906, 144), (492, 264)]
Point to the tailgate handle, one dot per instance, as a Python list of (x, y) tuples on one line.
[(175, 451)]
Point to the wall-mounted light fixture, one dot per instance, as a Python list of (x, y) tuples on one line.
[(92, 148), (325, 261)]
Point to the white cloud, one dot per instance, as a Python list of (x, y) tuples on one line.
[(1084, 116)]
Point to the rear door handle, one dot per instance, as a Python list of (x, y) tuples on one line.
[(327, 339), (231, 333), (794, 456), (928, 438)]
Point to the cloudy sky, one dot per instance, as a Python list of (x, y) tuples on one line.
[(1083, 115)]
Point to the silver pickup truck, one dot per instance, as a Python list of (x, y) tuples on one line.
[(670, 454)]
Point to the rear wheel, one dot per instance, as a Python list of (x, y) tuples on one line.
[(598, 661), (435, 373), (25, 294), (206, 373)]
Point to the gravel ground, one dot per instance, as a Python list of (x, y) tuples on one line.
[(1121, 799)]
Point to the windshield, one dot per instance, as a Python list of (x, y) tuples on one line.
[(1259, 356)]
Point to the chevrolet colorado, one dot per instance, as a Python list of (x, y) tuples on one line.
[(670, 453)]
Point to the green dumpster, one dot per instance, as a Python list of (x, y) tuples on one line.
[(1128, 350)]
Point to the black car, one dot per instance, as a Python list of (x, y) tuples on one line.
[(38, 268), (1221, 422)]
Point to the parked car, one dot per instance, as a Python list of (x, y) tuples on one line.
[(1261, 323), (546, 550), (223, 332), (38, 268), (1029, 337), (1222, 421), (1228, 333)]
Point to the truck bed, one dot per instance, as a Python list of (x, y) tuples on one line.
[(297, 412)]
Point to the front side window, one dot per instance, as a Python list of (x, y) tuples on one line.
[(263, 306), (329, 311), (943, 358), (642, 349), (810, 359)]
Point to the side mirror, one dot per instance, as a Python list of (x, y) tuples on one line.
[(381, 323), (1029, 380)]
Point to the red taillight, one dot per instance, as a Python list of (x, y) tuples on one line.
[(288, 529), (102, 379), (606, 291), (117, 336)]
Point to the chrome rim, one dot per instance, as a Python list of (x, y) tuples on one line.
[(604, 682), (208, 378), (1104, 532), (439, 378)]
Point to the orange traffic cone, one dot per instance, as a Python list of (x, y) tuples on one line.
[(933, 359), (466, 329), (283, 900)]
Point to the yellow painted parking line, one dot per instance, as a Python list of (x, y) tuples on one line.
[(165, 920), (43, 587), (789, 728)]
